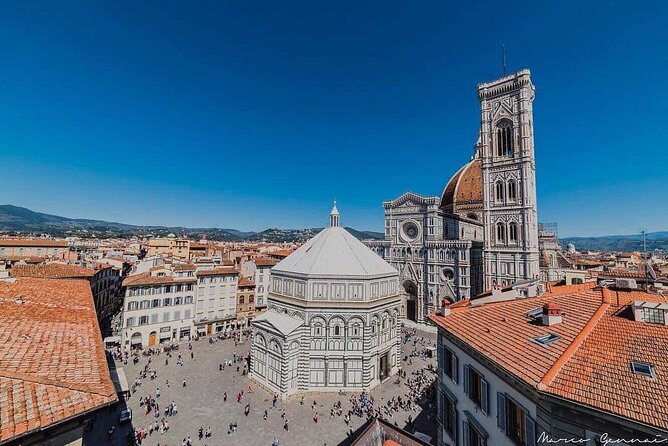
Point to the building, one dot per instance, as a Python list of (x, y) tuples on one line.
[(53, 370), (45, 248), (169, 246), (262, 272), (104, 283), (159, 306), (333, 321), (576, 363), (245, 302), (216, 304), (378, 432), (483, 230)]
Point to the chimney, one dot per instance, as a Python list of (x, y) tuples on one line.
[(445, 308), (551, 314)]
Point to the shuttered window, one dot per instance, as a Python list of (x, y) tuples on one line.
[(515, 421), (477, 389)]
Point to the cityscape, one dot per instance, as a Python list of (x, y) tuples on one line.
[(379, 316)]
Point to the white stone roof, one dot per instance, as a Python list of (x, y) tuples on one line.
[(335, 252), (281, 322)]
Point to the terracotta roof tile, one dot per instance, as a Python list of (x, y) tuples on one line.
[(52, 362), (221, 271), (34, 243), (146, 279), (590, 364), (52, 271)]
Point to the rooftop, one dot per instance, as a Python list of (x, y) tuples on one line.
[(335, 252), (589, 363), (52, 362), (52, 271)]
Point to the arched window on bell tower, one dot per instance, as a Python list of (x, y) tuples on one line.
[(504, 139), (499, 192), (500, 233), (512, 190)]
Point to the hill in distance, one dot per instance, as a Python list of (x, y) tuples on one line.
[(19, 220)]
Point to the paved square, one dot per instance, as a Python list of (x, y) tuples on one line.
[(201, 404)]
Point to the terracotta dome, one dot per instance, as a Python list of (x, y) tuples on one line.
[(464, 190)]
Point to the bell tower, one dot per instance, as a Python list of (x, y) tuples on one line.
[(506, 148)]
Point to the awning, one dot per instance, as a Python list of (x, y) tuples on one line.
[(135, 341), (112, 340), (119, 380), (165, 335)]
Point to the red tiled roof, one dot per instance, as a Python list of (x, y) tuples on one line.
[(144, 279), (264, 261), (52, 271), (465, 186), (52, 362), (246, 281), (185, 267), (217, 272), (34, 243), (590, 364)]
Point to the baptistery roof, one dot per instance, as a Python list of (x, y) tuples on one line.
[(334, 252)]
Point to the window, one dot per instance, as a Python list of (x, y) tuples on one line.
[(448, 362), (165, 317), (448, 414), (512, 190), (177, 315), (500, 233), (317, 329), (132, 305), (476, 388), (130, 322), (654, 315), (644, 369), (512, 232), (472, 437), (168, 288), (154, 318), (337, 330), (504, 139), (356, 330), (242, 299), (499, 192), (251, 299), (546, 339), (143, 320), (515, 421)]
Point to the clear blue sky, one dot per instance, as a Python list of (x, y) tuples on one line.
[(257, 114)]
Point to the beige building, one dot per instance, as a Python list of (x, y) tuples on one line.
[(170, 245), (216, 305), (245, 302), (33, 248)]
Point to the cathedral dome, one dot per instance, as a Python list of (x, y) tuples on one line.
[(464, 190)]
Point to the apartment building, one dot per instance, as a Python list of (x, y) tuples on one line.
[(262, 272), (46, 248), (245, 302), (216, 304), (579, 364), (159, 306), (170, 246)]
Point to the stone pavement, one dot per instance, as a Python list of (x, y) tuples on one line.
[(201, 403)]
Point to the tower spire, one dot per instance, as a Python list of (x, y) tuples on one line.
[(334, 216)]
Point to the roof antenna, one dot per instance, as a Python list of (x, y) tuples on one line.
[(504, 58)]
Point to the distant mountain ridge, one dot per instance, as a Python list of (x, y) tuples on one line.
[(629, 242), (16, 219)]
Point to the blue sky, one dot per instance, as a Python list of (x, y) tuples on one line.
[(258, 114)]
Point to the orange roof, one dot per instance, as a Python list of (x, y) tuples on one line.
[(34, 243), (465, 186), (145, 279), (52, 362), (590, 364), (217, 271), (264, 261), (246, 281), (52, 271), (185, 267)]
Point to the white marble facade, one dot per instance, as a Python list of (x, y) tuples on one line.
[(483, 229), (333, 321)]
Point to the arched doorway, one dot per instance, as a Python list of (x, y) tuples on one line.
[(152, 338), (135, 340), (410, 291)]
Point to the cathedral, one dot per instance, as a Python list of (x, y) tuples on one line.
[(482, 231)]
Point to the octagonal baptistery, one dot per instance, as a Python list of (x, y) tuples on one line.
[(333, 321)]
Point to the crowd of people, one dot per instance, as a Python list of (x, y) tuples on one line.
[(416, 394)]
